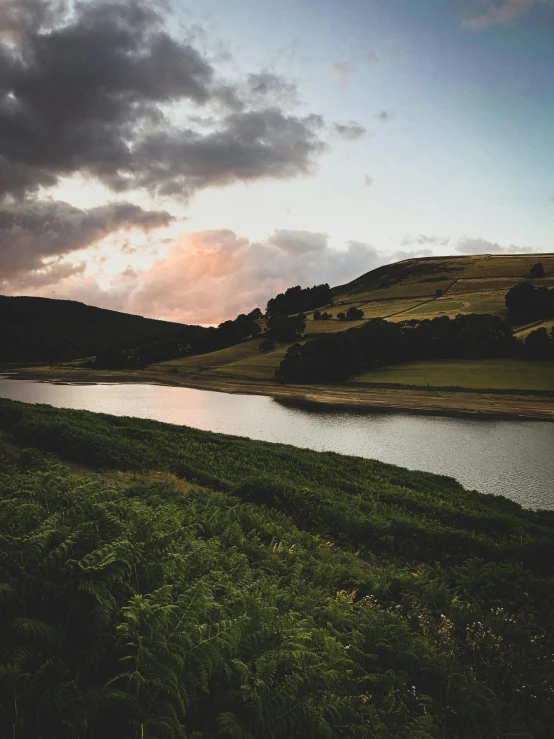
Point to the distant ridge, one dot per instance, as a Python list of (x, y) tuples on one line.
[(49, 329)]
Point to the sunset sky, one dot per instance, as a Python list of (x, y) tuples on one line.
[(189, 164)]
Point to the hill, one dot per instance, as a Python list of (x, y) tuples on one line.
[(45, 329), (398, 292), (435, 286)]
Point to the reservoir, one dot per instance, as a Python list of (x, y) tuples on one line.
[(510, 458)]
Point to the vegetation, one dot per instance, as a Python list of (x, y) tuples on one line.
[(266, 345), (322, 316), (539, 344), (42, 329), (279, 593), (285, 328), (352, 314), (526, 303), (334, 357), (537, 270), (299, 300), (486, 374)]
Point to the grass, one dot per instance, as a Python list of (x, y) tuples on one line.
[(240, 361), (548, 325), (500, 374)]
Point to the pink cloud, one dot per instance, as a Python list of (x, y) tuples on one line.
[(207, 277)]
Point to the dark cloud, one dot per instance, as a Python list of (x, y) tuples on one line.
[(385, 116), (89, 92), (34, 232), (272, 87), (349, 131)]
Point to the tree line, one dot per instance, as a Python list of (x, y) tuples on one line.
[(337, 356), (299, 300)]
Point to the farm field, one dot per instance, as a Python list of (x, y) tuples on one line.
[(484, 374)]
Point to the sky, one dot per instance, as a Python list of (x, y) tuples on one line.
[(188, 161)]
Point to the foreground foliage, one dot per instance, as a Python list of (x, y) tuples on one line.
[(280, 593)]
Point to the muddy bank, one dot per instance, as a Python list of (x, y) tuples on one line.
[(421, 401)]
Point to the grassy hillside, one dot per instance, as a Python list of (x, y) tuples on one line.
[(36, 329), (472, 284), (403, 291), (206, 586)]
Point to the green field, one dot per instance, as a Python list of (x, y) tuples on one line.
[(498, 374), (205, 586), (241, 361)]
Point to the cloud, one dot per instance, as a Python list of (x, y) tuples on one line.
[(37, 231), (208, 277), (298, 242), (343, 71), (499, 13), (482, 246), (424, 239), (385, 116), (349, 131), (248, 146), (95, 91), (368, 181)]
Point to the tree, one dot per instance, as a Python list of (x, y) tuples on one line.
[(111, 357), (354, 314), (297, 299), (341, 316), (266, 345), (538, 345), (525, 302), (537, 270), (317, 315), (439, 293), (285, 328)]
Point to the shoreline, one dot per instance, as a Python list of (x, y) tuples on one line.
[(462, 403)]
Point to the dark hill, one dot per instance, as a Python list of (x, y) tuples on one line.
[(45, 329)]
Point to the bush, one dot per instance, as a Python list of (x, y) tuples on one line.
[(266, 345)]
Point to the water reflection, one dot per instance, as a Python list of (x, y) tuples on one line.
[(511, 458)]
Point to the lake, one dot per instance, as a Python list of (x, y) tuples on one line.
[(510, 458)]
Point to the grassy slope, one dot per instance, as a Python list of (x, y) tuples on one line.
[(241, 361), (341, 597), (403, 291)]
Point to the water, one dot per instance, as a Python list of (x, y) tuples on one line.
[(510, 458)]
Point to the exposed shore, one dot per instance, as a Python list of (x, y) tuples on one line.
[(412, 400)]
